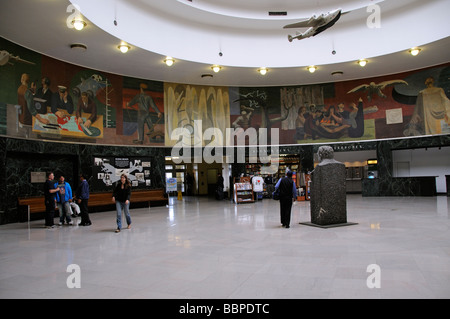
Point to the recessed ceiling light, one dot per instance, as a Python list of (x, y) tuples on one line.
[(78, 24), (169, 61), (312, 68), (415, 51), (263, 70), (207, 75), (216, 68), (123, 47), (362, 62)]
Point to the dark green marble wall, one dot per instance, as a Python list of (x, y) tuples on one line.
[(20, 157)]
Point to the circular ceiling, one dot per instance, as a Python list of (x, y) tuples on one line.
[(244, 34)]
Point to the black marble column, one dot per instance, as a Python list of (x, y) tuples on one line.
[(3, 185), (447, 181), (385, 168)]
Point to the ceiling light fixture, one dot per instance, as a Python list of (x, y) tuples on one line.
[(78, 24), (123, 47), (263, 70), (414, 51), (337, 73), (169, 61), (362, 62), (312, 68), (216, 68)]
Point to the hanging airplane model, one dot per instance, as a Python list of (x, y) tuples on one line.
[(6, 58), (314, 24)]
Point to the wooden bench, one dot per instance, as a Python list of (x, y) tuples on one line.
[(148, 197)]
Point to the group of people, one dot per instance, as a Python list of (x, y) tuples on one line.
[(331, 123), (35, 102), (59, 194)]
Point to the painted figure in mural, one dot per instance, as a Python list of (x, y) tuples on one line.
[(144, 102), (24, 113), (25, 99), (44, 96), (300, 123), (356, 118), (243, 121), (332, 122), (432, 107), (258, 100), (62, 102), (86, 105)]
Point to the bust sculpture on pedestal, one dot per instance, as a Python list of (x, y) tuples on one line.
[(328, 191)]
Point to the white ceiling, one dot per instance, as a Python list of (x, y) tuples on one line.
[(195, 32)]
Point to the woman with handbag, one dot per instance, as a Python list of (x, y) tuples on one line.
[(287, 194)]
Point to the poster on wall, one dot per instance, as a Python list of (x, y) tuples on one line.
[(108, 170)]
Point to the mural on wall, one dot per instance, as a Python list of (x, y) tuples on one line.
[(74, 111), (196, 108), (428, 93), (44, 98), (143, 111)]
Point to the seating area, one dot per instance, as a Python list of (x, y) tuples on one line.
[(99, 201)]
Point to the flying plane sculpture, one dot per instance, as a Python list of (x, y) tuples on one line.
[(6, 58), (315, 24)]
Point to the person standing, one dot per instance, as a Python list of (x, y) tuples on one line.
[(49, 194), (219, 187), (82, 195), (63, 199), (288, 194), (258, 185), (121, 196)]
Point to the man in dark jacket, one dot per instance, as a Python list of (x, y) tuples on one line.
[(288, 193), (82, 196)]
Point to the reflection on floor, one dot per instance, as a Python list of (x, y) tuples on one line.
[(203, 248)]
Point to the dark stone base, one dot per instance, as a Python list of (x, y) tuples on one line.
[(328, 226)]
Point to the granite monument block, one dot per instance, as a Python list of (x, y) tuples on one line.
[(328, 190)]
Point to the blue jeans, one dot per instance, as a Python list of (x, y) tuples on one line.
[(125, 207), (64, 212)]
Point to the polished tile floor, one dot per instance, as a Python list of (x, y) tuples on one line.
[(202, 248)]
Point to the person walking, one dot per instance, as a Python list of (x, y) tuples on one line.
[(49, 195), (288, 194), (82, 195), (121, 196)]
